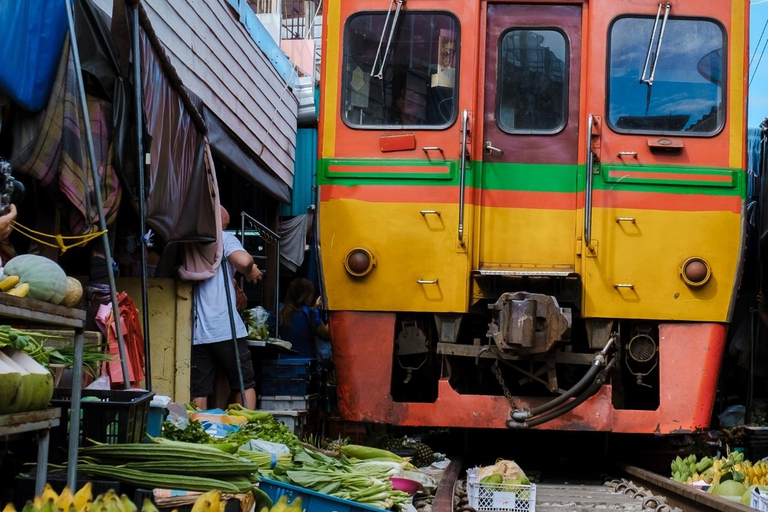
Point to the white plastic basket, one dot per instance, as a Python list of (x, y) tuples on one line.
[(500, 497), (759, 501)]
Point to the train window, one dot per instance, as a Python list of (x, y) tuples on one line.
[(686, 94), (533, 75), (414, 84)]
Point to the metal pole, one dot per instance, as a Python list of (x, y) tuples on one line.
[(142, 205), (97, 188), (225, 273), (277, 289), (74, 410)]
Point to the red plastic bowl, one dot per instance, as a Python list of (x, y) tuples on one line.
[(405, 485)]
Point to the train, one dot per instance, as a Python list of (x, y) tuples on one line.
[(531, 214)]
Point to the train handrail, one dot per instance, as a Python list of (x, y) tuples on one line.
[(588, 185), (463, 172)]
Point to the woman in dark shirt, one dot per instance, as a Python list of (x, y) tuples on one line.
[(299, 320)]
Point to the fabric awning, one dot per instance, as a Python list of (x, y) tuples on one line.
[(226, 147)]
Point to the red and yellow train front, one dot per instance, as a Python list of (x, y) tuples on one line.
[(531, 213)]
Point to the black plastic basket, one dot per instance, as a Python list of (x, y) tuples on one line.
[(114, 416)]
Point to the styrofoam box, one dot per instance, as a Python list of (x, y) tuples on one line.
[(759, 501), (296, 421), (288, 403)]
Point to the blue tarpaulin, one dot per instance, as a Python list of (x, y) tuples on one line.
[(33, 36)]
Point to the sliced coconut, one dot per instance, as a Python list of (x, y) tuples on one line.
[(43, 380), (10, 389), (27, 383)]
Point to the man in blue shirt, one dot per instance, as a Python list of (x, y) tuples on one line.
[(212, 345)]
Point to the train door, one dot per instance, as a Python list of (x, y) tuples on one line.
[(529, 176)]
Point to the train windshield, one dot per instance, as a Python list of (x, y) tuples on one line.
[(686, 93), (403, 76)]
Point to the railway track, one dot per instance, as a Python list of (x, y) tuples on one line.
[(634, 490)]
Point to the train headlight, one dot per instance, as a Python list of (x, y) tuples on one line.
[(359, 262), (695, 272)]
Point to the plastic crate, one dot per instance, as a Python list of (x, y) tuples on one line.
[(291, 387), (288, 368), (759, 501), (114, 416), (500, 497), (288, 403), (311, 500)]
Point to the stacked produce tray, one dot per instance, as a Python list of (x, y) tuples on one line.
[(311, 500), (289, 377), (288, 403), (289, 390)]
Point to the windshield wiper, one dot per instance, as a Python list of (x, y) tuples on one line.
[(380, 74), (649, 80)]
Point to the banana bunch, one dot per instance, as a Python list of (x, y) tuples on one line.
[(683, 470), (282, 505), (209, 502), (11, 286), (713, 471), (758, 473), (81, 501)]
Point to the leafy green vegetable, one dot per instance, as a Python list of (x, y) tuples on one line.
[(194, 433)]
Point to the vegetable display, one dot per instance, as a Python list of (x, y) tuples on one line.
[(25, 385), (169, 465)]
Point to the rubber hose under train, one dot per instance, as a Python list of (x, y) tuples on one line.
[(592, 390), (588, 378)]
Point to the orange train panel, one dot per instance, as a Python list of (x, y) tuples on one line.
[(689, 363)]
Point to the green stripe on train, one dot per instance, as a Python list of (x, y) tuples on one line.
[(531, 177)]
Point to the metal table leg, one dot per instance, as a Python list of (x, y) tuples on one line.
[(74, 411), (43, 442)]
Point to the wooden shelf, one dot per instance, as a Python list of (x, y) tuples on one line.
[(40, 312), (31, 421)]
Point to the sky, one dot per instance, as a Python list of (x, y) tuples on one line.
[(758, 89)]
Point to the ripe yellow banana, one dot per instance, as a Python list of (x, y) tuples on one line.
[(20, 291), (295, 505), (83, 497), (203, 503), (9, 282), (48, 494), (148, 506), (65, 500), (281, 505), (127, 504)]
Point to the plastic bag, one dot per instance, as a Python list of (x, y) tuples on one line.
[(256, 322)]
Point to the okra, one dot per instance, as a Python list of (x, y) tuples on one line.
[(149, 452), (156, 480), (244, 468)]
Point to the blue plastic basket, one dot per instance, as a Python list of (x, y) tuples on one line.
[(288, 368), (291, 387), (311, 500)]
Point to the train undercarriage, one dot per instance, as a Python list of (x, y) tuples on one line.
[(526, 360)]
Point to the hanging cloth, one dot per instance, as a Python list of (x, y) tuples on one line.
[(293, 240), (132, 337)]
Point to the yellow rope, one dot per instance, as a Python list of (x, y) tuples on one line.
[(83, 239)]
